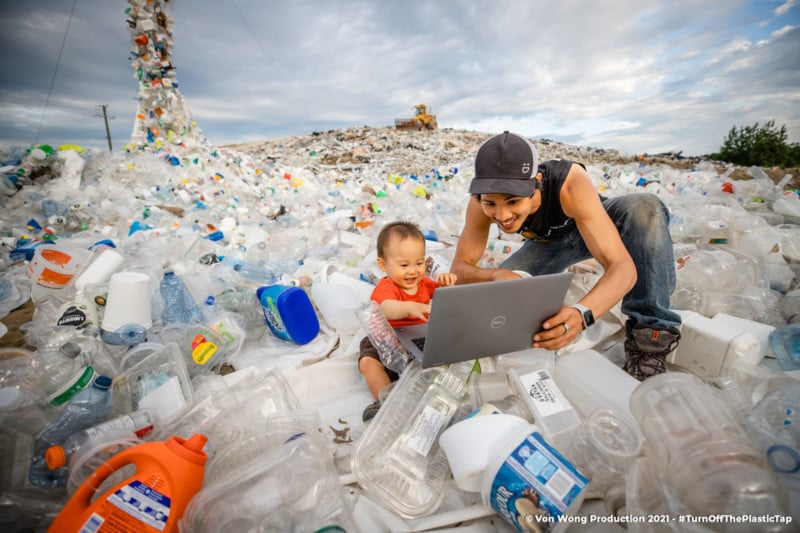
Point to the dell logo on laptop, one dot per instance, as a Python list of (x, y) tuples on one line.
[(498, 322)]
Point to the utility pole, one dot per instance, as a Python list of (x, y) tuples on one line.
[(104, 107)]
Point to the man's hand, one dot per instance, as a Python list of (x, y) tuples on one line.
[(559, 330)]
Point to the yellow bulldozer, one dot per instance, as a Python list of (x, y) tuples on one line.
[(422, 120)]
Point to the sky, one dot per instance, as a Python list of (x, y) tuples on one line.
[(638, 76)]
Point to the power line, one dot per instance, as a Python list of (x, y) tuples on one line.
[(55, 72)]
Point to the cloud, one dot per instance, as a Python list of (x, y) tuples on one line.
[(653, 77), (785, 7)]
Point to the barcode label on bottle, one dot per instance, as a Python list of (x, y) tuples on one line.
[(544, 393), (93, 524)]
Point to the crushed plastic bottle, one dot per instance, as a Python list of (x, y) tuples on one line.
[(393, 354), (86, 409), (179, 305)]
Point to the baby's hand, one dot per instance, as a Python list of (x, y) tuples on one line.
[(447, 278), (418, 310)]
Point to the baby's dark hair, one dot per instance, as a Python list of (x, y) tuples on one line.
[(402, 230)]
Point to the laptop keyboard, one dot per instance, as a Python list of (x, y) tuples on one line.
[(419, 342)]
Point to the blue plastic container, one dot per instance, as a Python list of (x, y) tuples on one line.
[(289, 313)]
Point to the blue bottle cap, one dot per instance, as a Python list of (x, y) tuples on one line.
[(102, 382)]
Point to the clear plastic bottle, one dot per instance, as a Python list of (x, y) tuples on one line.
[(785, 344), (790, 306), (22, 401), (701, 451), (86, 409), (22, 409), (65, 371), (57, 457), (179, 305), (393, 354), (236, 267)]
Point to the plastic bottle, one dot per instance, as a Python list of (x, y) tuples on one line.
[(22, 409), (708, 347), (22, 401), (168, 475), (87, 408), (179, 305), (291, 486), (716, 269), (393, 354), (701, 451), (58, 456), (65, 371), (238, 269), (289, 313), (790, 306), (591, 381), (785, 344)]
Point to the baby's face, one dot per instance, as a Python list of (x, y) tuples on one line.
[(404, 262)]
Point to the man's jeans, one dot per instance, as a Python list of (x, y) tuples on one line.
[(643, 223)]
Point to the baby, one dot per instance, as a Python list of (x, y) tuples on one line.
[(404, 296)]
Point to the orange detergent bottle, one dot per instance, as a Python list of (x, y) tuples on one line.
[(168, 474)]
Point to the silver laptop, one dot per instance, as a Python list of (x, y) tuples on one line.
[(481, 319)]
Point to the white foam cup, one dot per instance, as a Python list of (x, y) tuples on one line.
[(101, 269), (128, 301)]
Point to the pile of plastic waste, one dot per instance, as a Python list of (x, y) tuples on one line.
[(219, 293), (190, 363)]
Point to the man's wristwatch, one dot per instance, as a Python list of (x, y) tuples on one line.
[(586, 315)]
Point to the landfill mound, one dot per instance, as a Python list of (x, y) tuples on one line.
[(220, 287), (417, 152)]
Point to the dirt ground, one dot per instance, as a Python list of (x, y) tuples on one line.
[(13, 321)]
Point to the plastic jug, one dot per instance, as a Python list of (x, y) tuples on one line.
[(289, 313), (168, 475)]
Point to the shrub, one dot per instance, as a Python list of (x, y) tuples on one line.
[(760, 145)]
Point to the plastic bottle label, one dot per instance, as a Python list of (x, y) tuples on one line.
[(535, 485), (119, 426), (202, 349), (80, 382), (544, 393), (133, 507), (425, 430), (274, 321)]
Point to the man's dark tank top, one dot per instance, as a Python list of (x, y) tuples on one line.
[(549, 221)]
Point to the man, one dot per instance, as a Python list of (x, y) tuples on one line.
[(564, 221)]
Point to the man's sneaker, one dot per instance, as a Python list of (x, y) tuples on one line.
[(646, 350), (371, 410)]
